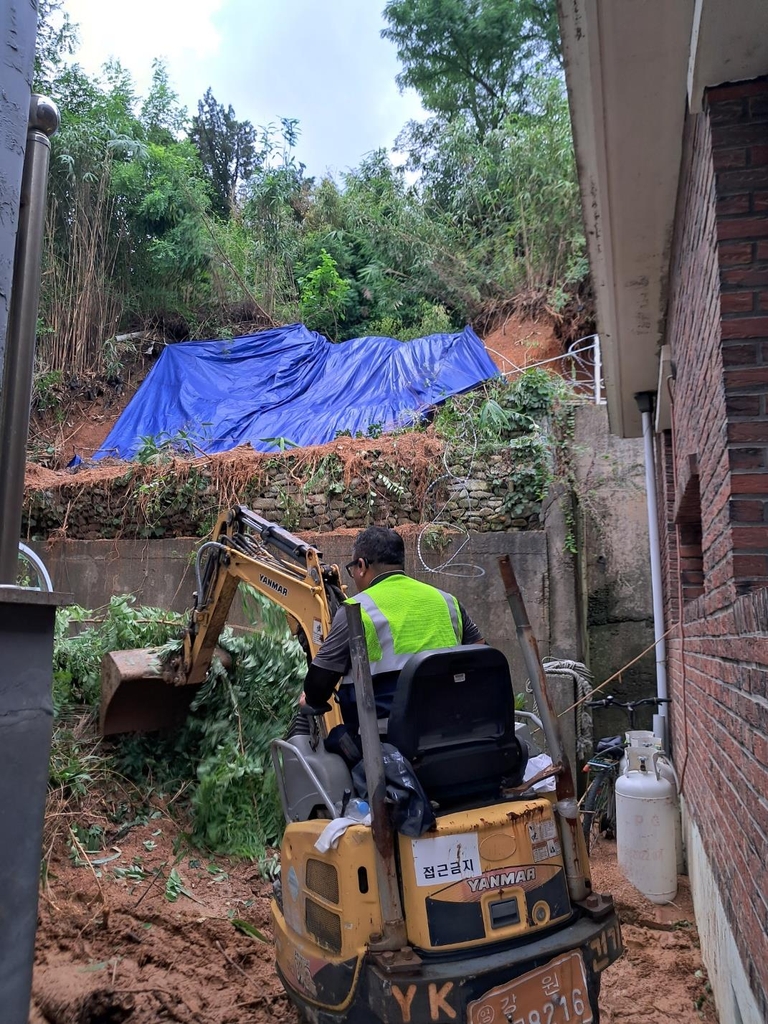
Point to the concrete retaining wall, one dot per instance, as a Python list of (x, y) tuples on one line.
[(731, 989), (616, 572), (160, 573)]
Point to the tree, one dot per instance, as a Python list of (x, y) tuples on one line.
[(161, 198), (164, 119), (324, 296), (227, 149), (473, 57), (56, 40)]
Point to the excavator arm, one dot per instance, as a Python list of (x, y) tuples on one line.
[(138, 693), (278, 565)]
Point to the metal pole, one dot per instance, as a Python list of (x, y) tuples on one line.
[(574, 852), (598, 361), (645, 404), (22, 330), (26, 616), (536, 674), (18, 24), (26, 718), (393, 934)]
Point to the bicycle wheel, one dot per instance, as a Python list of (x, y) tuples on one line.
[(599, 811)]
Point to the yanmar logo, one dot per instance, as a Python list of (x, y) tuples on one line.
[(277, 587), (501, 879)]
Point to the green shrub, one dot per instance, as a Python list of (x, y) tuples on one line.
[(219, 757)]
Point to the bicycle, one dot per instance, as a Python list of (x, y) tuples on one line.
[(598, 813)]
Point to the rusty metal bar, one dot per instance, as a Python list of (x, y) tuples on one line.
[(535, 669), (566, 806), (393, 934)]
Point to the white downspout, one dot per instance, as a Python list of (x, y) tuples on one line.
[(645, 403)]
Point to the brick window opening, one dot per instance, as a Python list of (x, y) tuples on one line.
[(691, 561), (688, 522)]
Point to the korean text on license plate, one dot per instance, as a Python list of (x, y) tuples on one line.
[(553, 994)]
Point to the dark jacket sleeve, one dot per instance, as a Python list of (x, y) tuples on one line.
[(330, 663), (470, 633), (319, 685)]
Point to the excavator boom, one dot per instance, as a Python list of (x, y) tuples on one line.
[(140, 693)]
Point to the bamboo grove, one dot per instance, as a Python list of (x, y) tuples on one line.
[(202, 225)]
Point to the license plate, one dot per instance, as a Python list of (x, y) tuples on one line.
[(553, 994)]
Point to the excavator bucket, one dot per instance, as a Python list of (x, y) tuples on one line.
[(135, 695)]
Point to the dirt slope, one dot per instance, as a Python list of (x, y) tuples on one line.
[(518, 342), (81, 426)]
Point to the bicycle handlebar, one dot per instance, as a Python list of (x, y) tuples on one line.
[(610, 702)]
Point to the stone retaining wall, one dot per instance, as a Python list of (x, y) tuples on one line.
[(322, 492)]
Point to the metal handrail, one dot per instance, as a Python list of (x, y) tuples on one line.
[(43, 575), (278, 745), (45, 583)]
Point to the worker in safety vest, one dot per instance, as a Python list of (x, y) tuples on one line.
[(401, 617)]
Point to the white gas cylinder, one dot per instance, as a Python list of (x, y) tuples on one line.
[(646, 807), (667, 771), (640, 743)]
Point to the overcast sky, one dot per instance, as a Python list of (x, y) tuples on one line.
[(322, 61)]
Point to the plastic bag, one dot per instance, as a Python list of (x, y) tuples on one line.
[(536, 765), (412, 813)]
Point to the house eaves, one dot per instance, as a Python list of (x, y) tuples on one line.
[(632, 69), (626, 64)]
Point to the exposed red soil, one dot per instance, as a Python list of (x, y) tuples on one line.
[(518, 342), (94, 422), (81, 426), (111, 949)]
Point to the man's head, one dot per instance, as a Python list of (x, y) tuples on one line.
[(376, 550)]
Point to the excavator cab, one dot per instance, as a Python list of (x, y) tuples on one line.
[(453, 718), (487, 917), (461, 752)]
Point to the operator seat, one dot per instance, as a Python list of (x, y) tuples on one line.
[(453, 718)]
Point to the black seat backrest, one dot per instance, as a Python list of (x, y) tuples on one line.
[(453, 717)]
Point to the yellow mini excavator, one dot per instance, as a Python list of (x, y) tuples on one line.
[(489, 916)]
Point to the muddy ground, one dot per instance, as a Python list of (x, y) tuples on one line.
[(112, 947)]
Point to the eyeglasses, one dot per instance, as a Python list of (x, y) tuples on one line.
[(355, 564)]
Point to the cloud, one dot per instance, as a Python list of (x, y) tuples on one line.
[(322, 62), (180, 31)]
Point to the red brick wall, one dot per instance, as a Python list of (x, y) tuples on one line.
[(717, 327), (739, 119)]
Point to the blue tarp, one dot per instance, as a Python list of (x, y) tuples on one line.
[(291, 385)]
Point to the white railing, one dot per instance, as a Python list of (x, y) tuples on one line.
[(581, 364), (31, 561)]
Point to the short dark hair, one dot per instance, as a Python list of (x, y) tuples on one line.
[(380, 546)]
